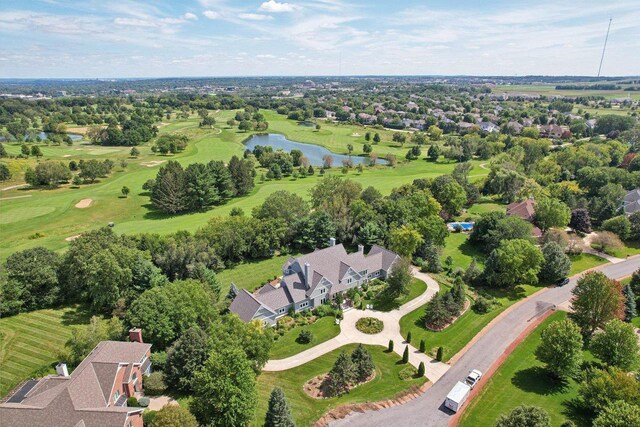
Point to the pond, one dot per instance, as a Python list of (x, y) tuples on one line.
[(307, 124), (314, 153), (73, 136)]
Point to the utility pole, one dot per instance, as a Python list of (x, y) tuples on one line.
[(604, 47)]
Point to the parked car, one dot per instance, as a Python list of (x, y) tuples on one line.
[(473, 378), (563, 281), (457, 396)]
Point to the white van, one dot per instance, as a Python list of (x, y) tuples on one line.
[(457, 396)]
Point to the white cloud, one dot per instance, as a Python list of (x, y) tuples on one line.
[(265, 56), (275, 7), (190, 16), (254, 17), (133, 22), (211, 14)]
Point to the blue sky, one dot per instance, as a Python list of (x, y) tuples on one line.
[(154, 38)]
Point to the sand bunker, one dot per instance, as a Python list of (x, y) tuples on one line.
[(72, 238), (84, 203), (355, 134), (152, 163)]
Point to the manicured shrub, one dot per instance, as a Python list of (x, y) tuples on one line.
[(440, 353), (409, 337), (305, 337), (423, 346), (405, 355), (481, 305), (421, 369), (390, 348), (133, 402)]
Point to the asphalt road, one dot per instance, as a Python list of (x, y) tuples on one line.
[(428, 409)]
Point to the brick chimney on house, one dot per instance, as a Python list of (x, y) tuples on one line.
[(135, 335)]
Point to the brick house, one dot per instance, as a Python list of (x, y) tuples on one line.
[(95, 394)]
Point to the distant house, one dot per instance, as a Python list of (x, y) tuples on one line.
[(488, 127), (551, 131), (311, 280), (94, 395), (526, 210), (631, 202)]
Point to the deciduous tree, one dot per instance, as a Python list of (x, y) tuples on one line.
[(617, 345), (561, 348), (596, 300)]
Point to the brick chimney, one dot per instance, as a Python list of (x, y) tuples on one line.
[(135, 335)]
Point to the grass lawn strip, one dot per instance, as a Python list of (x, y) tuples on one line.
[(29, 342), (306, 409)]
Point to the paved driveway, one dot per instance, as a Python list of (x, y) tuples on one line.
[(428, 409)]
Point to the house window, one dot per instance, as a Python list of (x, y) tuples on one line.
[(134, 377), (323, 290), (281, 310), (116, 396), (349, 280), (304, 304)]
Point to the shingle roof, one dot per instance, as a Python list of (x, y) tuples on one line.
[(245, 305), (525, 209), (81, 398)]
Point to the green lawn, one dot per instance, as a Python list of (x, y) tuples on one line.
[(456, 336), (306, 410), (323, 330), (251, 275), (382, 303), (483, 206), (457, 246), (629, 249), (52, 212), (30, 342), (584, 262), (523, 380)]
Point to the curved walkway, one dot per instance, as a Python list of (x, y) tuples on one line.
[(350, 334)]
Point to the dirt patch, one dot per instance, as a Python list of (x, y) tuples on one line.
[(72, 238), (316, 387), (84, 203), (152, 163)]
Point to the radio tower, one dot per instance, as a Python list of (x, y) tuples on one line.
[(605, 46)]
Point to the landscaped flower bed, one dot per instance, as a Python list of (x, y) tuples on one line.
[(369, 325)]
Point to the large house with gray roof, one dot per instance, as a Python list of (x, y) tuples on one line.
[(94, 395), (311, 280), (631, 202)]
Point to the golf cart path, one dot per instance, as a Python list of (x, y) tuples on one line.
[(349, 334)]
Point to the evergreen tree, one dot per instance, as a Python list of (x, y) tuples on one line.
[(241, 171), (423, 346), (405, 355), (436, 314), (390, 347), (434, 152), (421, 369), (440, 353), (3, 151), (341, 375), (222, 180), (169, 192), (629, 303), (362, 363), (278, 414), (409, 337), (200, 187), (432, 259)]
